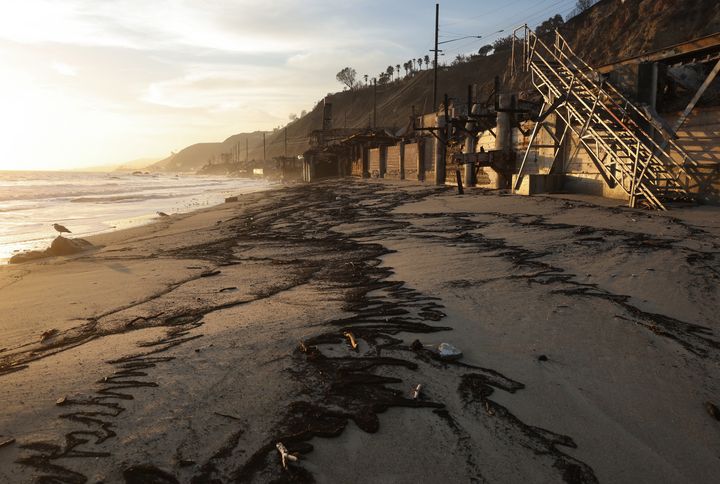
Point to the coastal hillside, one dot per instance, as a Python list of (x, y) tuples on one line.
[(613, 29), (608, 31), (195, 156), (351, 109)]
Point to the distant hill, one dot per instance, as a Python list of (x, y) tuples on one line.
[(195, 156), (610, 30), (132, 165), (351, 109), (137, 164)]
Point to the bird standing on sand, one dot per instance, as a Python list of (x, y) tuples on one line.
[(61, 228)]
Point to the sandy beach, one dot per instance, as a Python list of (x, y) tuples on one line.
[(185, 350)]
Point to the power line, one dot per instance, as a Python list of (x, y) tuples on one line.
[(506, 5), (528, 18)]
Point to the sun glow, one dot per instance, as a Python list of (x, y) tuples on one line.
[(88, 83), (40, 126)]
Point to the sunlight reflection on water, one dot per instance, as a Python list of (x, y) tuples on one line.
[(93, 203)]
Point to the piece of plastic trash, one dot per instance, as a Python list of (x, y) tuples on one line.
[(447, 351), (416, 391)]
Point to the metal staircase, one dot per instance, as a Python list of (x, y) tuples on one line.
[(628, 147)]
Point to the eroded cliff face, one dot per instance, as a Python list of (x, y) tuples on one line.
[(616, 29)]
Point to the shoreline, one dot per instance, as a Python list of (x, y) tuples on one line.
[(580, 327), (134, 221)]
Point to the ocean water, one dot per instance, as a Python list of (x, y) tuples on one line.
[(93, 203)]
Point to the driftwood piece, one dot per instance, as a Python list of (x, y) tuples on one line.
[(5, 442), (285, 456), (351, 340), (209, 273)]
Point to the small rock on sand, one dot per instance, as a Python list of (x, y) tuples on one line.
[(63, 246), (48, 334), (60, 246), (713, 410)]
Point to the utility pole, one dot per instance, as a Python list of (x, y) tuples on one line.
[(374, 103), (435, 64), (263, 147)]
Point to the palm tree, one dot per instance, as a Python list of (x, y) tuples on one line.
[(397, 69), (420, 61), (390, 71), (427, 61), (366, 79)]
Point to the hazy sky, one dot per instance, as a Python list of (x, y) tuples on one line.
[(93, 82)]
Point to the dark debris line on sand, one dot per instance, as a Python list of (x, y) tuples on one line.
[(340, 389), (337, 390), (693, 337)]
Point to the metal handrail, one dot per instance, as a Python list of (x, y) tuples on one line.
[(654, 148), (617, 93), (655, 168), (624, 169), (562, 43)]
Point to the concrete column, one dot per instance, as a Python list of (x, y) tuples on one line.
[(311, 168), (562, 155), (383, 161), (402, 160), (306, 169), (421, 159), (470, 147), (327, 115), (440, 150), (503, 132), (647, 83), (365, 162)]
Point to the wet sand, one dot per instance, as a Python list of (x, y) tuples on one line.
[(185, 350)]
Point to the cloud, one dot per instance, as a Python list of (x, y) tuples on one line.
[(165, 73), (64, 69)]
